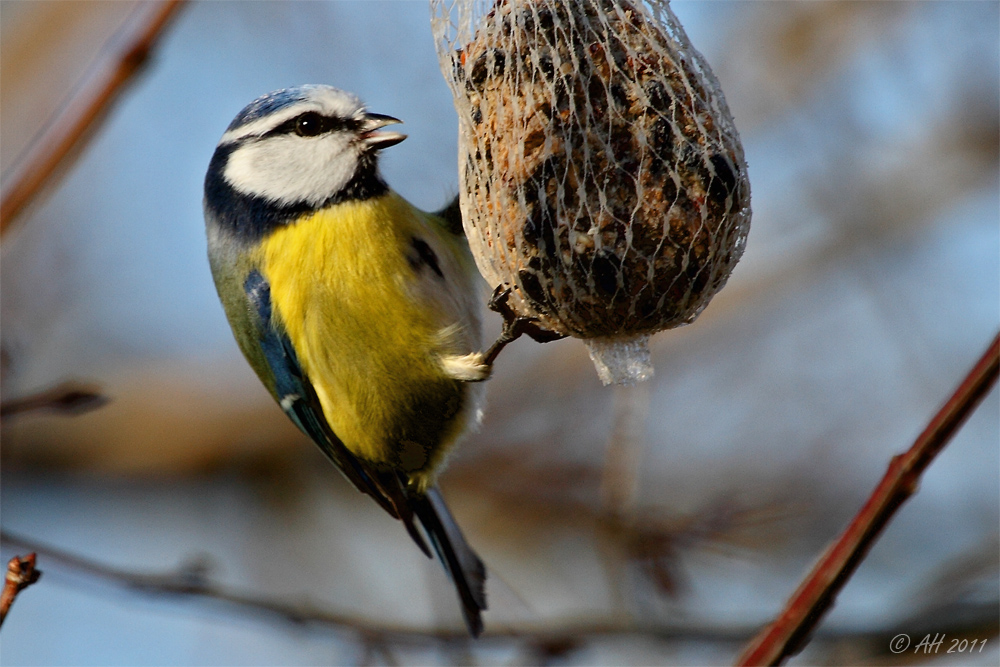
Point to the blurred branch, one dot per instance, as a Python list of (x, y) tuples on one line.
[(540, 644), (68, 398), (21, 573), (65, 134), (542, 493), (657, 545), (788, 633), (374, 649), (190, 580)]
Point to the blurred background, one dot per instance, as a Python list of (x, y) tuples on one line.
[(868, 288)]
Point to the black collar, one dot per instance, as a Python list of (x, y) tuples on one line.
[(250, 218)]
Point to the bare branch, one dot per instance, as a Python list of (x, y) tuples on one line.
[(191, 581), (21, 573), (81, 114), (789, 632)]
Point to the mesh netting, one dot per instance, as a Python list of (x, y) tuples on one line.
[(601, 175)]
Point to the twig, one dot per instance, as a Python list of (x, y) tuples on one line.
[(21, 573), (81, 113), (790, 631), (191, 582), (68, 398), (542, 642)]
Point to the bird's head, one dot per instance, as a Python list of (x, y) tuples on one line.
[(303, 146)]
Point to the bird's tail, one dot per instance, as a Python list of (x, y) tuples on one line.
[(463, 565)]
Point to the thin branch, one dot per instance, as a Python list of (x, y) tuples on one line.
[(542, 642), (190, 581), (790, 631), (67, 398), (63, 136), (21, 573)]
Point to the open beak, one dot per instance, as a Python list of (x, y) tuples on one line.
[(378, 140)]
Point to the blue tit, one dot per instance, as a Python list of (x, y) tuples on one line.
[(358, 311)]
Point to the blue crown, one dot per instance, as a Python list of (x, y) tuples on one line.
[(268, 104)]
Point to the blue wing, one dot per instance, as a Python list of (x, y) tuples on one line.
[(389, 488), (298, 399)]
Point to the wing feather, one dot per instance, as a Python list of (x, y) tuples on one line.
[(389, 488), (298, 398)]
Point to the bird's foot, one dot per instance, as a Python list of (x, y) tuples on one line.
[(514, 325)]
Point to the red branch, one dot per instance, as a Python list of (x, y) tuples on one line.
[(83, 111), (790, 631), (21, 573)]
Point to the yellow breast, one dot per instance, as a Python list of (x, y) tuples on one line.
[(343, 289)]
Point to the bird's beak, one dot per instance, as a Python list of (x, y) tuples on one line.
[(378, 140)]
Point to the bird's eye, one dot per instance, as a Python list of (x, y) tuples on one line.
[(309, 124)]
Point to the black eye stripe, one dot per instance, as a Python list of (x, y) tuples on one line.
[(321, 124)]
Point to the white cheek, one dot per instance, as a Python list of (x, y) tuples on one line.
[(292, 169)]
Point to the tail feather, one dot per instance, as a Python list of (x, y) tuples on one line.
[(393, 486), (463, 565)]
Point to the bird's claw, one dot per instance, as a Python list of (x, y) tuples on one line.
[(514, 325)]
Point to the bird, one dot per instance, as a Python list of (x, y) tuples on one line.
[(358, 311)]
